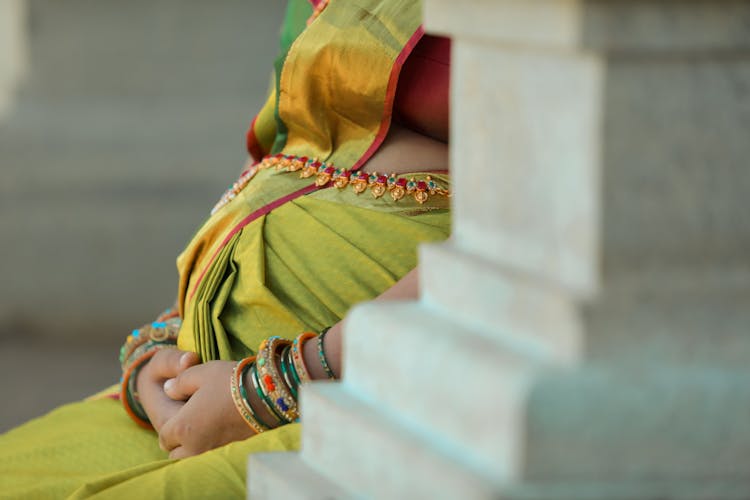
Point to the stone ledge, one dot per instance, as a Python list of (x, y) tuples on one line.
[(500, 300), (359, 446), (645, 27), (286, 475)]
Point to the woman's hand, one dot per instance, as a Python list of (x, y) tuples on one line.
[(208, 419), (164, 365)]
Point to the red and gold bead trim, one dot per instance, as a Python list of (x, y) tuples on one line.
[(235, 188), (378, 184)]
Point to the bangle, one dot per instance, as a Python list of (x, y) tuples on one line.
[(144, 348), (168, 314), (292, 369), (239, 396), (158, 331), (297, 359), (128, 392), (133, 400), (286, 370), (263, 398), (322, 354), (125, 390), (245, 397), (271, 383)]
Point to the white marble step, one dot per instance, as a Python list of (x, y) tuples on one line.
[(366, 450), (442, 376), (288, 476), (500, 301)]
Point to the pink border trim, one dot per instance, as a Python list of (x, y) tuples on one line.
[(247, 220)]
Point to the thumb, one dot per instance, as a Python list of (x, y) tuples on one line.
[(184, 385)]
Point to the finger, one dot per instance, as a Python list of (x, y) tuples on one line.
[(173, 433), (167, 363), (162, 412), (184, 385), (180, 452), (189, 359)]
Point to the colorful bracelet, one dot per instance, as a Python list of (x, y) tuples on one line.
[(168, 314), (264, 399), (271, 383), (128, 393), (158, 331), (133, 400), (298, 360), (322, 354), (144, 348), (129, 397), (285, 363), (241, 401), (243, 392), (291, 368)]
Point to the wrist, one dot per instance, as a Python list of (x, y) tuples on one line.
[(331, 349)]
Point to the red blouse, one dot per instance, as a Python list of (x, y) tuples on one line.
[(422, 94)]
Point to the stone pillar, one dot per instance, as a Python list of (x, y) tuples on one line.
[(584, 334), (13, 51)]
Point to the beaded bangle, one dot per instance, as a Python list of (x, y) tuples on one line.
[(286, 371), (239, 396), (127, 397), (243, 392), (158, 331), (168, 314), (132, 366), (271, 382), (322, 354), (297, 358), (263, 398), (134, 401), (144, 348)]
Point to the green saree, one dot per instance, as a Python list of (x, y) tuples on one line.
[(281, 254)]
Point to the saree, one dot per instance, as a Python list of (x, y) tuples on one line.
[(291, 246)]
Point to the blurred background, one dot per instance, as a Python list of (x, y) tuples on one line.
[(121, 123)]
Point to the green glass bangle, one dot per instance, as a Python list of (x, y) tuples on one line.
[(133, 401), (261, 393), (242, 405), (322, 354), (285, 372), (293, 371), (243, 393)]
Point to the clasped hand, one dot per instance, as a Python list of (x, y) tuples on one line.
[(190, 404)]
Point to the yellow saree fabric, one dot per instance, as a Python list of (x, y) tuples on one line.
[(251, 272)]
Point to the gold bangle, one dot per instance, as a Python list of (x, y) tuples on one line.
[(297, 359), (241, 401), (271, 382)]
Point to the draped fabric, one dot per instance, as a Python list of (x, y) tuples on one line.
[(283, 256)]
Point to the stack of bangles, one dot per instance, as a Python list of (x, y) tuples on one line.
[(274, 375), (139, 347)]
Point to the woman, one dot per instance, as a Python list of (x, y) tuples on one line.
[(308, 230)]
